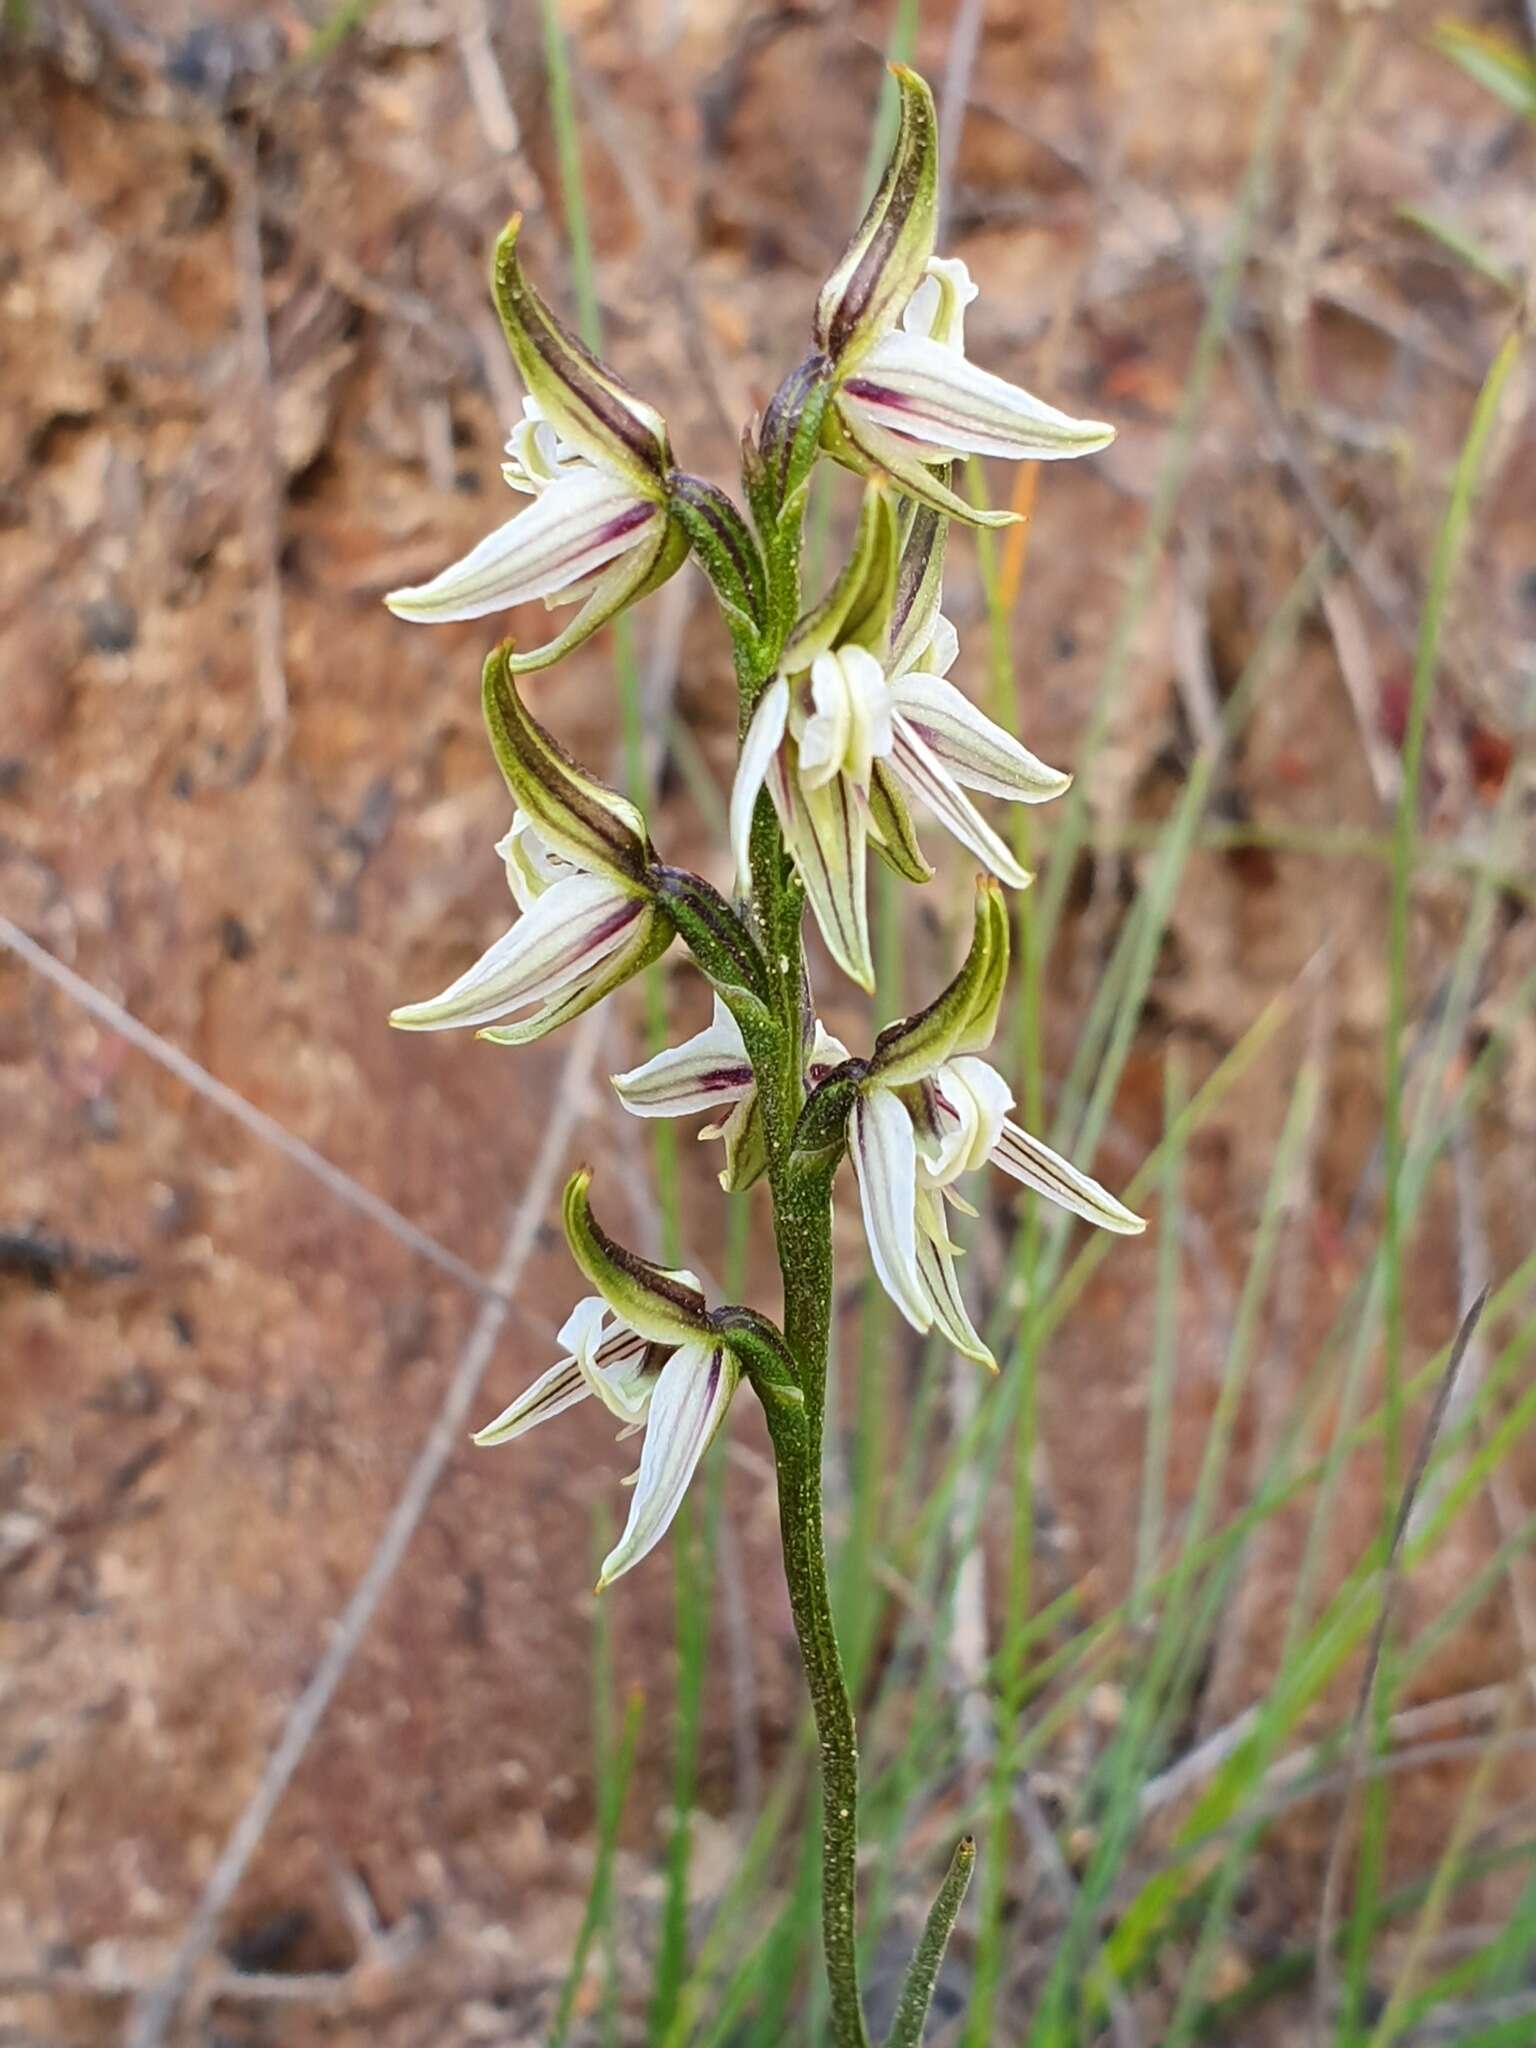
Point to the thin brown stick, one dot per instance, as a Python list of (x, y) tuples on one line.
[(232, 1104), (154, 2012)]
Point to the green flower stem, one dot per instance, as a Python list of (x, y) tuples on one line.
[(803, 1228), (802, 1218)]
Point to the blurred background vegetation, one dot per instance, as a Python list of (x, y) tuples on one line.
[(1214, 1614)]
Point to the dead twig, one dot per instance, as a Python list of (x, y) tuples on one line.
[(232, 1104)]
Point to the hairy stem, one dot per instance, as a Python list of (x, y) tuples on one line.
[(803, 1227)]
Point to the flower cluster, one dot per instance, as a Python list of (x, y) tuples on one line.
[(850, 716)]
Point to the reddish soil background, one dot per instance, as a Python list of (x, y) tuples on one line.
[(248, 382)]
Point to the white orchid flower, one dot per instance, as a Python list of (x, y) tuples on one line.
[(678, 1394), (914, 398), (927, 1111), (711, 1072), (890, 321), (827, 746), (649, 1349), (911, 1144), (593, 458), (578, 863)]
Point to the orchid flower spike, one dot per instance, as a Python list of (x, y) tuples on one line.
[(891, 321), (711, 1072), (645, 1346), (578, 864), (849, 730), (929, 1111), (593, 459)]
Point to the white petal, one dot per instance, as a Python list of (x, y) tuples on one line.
[(977, 752), (884, 1154), (614, 1365), (988, 1099), (918, 388), (570, 530), (1017, 1153), (937, 307), (531, 866), (824, 736), (827, 1052), (692, 1394), (936, 1262), (827, 834), (869, 705), (764, 736), (551, 1394), (709, 1071), (929, 779), (567, 935)]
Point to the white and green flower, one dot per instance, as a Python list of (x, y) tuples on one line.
[(927, 1112), (891, 321), (577, 861), (593, 459), (710, 1073), (840, 748), (678, 1396)]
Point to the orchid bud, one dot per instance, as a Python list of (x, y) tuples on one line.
[(884, 263)]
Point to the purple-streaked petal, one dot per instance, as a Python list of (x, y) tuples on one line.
[(1017, 1153), (570, 531), (928, 778), (936, 1263), (977, 752), (884, 1154), (917, 388), (827, 834), (551, 1394), (572, 930), (688, 1405), (709, 1071)]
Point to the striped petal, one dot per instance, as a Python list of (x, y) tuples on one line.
[(883, 1148), (615, 1362), (915, 387), (764, 736), (978, 753), (648, 938), (827, 834), (1017, 1153), (571, 932), (688, 1405), (551, 1394), (709, 1071), (928, 778), (566, 534), (936, 1263)]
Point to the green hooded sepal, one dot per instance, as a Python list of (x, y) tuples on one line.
[(964, 1017), (884, 263), (856, 611), (574, 814), (583, 400), (665, 1308)]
